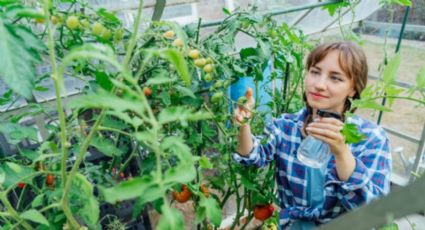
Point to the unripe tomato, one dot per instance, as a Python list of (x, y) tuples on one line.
[(147, 91), (194, 54), (218, 84), (208, 68), (182, 196), (200, 62), (106, 34), (50, 180), (55, 19), (178, 42), (216, 97), (270, 226), (208, 77), (209, 60), (118, 35), (97, 29), (72, 22), (248, 93), (263, 212), (39, 20), (169, 34), (21, 185)]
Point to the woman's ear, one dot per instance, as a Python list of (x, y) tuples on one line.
[(352, 93)]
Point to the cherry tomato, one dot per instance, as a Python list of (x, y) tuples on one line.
[(182, 196)]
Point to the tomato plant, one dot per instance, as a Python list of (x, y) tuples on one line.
[(154, 107)]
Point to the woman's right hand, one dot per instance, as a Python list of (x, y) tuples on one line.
[(243, 112)]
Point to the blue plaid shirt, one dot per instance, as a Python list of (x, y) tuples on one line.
[(370, 179)]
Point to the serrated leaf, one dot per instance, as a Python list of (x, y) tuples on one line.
[(38, 201), (106, 147), (351, 133), (160, 79), (17, 133), (18, 60), (130, 189), (171, 219), (212, 210), (34, 216), (205, 163), (103, 80), (185, 91), (183, 173), (108, 16), (420, 79), (390, 70), (177, 146), (103, 99), (177, 59), (181, 114)]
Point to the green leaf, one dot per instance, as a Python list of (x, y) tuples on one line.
[(226, 11), (420, 79), (23, 12), (351, 133), (108, 16), (248, 184), (171, 219), (18, 59), (205, 163), (185, 91), (103, 80), (177, 59), (390, 70), (145, 136), (181, 114), (35, 216), (90, 211), (38, 201), (177, 146), (212, 210), (367, 104), (17, 133), (15, 173), (182, 173), (131, 189), (106, 147), (160, 79), (334, 7), (103, 99)]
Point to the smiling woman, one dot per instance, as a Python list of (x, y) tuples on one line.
[(353, 174)]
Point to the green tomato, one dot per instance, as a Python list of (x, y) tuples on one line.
[(97, 29), (72, 22), (216, 97), (208, 77)]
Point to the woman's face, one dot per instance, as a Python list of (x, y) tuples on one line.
[(327, 86)]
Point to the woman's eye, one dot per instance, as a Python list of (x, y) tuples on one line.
[(314, 72), (334, 78)]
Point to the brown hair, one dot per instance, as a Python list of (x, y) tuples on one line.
[(352, 61)]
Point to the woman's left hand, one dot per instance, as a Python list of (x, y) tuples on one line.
[(329, 131)]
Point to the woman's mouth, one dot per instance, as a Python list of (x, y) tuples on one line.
[(317, 96)]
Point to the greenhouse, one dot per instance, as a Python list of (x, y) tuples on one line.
[(196, 114)]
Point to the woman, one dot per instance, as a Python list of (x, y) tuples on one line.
[(354, 174)]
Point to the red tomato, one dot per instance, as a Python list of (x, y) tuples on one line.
[(263, 212), (50, 180), (122, 175), (147, 91), (182, 196), (21, 185)]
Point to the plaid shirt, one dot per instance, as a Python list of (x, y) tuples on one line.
[(370, 179)]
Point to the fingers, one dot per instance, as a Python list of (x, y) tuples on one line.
[(326, 129)]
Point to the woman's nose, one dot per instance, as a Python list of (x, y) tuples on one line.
[(320, 82)]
